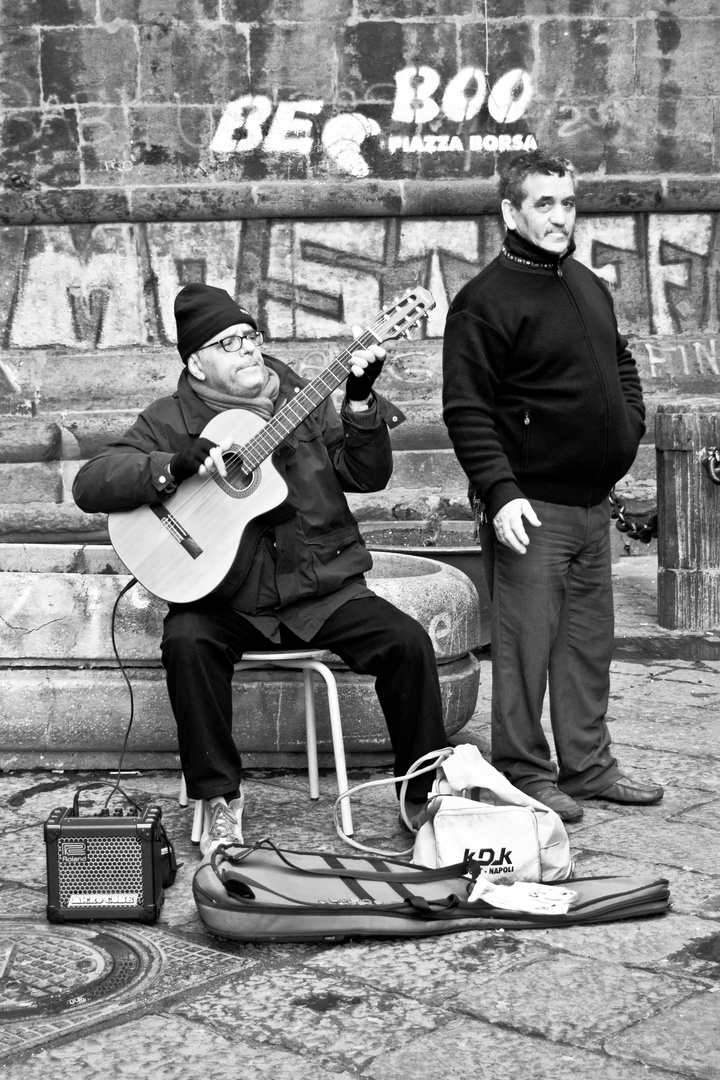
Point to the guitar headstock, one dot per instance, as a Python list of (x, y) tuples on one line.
[(403, 314)]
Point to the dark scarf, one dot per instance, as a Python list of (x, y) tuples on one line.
[(262, 402)]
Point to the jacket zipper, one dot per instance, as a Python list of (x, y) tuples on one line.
[(525, 454)]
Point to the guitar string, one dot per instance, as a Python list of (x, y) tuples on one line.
[(205, 491)]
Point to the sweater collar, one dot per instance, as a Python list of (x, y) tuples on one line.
[(518, 249)]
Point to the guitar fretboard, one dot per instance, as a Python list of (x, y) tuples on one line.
[(293, 412)]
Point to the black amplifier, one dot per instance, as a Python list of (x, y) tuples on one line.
[(106, 867)]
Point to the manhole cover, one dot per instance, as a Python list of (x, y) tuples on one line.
[(45, 970)]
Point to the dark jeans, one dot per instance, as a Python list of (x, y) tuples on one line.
[(202, 642), (553, 627)]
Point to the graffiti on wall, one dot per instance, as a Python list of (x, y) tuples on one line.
[(465, 107), (113, 286)]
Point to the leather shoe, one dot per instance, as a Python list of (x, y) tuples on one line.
[(551, 795), (625, 790)]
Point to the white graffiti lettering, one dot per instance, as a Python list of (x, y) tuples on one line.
[(415, 88), (246, 114), (433, 144), (290, 133)]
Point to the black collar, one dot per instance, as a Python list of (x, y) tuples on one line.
[(519, 250)]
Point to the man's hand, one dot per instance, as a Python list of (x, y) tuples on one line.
[(508, 524), (200, 456), (365, 366)]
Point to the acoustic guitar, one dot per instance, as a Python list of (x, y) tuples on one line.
[(184, 548)]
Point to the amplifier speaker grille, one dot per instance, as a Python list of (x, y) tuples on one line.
[(115, 863)]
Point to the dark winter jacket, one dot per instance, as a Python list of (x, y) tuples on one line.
[(541, 394), (312, 547)]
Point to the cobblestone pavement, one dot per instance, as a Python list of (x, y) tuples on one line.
[(623, 1001)]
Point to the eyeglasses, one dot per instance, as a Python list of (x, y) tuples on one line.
[(235, 342)]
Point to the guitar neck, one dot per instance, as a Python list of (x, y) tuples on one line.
[(293, 412)]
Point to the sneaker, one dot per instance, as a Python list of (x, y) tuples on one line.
[(551, 795), (416, 814), (223, 825)]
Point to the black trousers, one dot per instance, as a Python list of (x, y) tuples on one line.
[(203, 641)]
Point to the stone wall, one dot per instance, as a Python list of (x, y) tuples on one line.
[(315, 158)]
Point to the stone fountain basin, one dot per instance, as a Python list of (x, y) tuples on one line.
[(66, 704)]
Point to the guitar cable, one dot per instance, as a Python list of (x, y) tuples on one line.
[(115, 787)]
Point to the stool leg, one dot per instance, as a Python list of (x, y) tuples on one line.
[(183, 796), (311, 734), (338, 745), (198, 821)]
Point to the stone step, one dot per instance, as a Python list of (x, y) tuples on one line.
[(81, 434)]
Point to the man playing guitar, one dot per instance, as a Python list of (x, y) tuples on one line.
[(295, 575)]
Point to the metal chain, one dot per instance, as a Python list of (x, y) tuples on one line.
[(642, 527)]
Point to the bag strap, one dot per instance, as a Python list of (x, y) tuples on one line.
[(436, 757), (403, 875)]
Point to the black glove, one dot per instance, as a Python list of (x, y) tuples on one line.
[(189, 460), (359, 387)]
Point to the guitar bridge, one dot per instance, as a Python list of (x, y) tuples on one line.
[(173, 526)]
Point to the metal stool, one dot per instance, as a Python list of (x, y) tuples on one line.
[(304, 660)]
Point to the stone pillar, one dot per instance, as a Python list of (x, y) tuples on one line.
[(688, 516)]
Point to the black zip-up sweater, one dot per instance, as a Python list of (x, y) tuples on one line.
[(541, 395)]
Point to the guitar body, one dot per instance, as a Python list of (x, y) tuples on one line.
[(185, 547)]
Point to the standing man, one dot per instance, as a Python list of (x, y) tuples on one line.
[(305, 586), (544, 408)]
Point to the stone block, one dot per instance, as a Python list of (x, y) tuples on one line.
[(25, 440), (40, 147), (93, 431), (676, 56), (418, 9), (426, 469), (701, 192), (671, 1037), (54, 522), (460, 198), (20, 83), (193, 64), (609, 9), (371, 54), (157, 11), (168, 142), (30, 483), (245, 11), (274, 52), (623, 196), (89, 65), (650, 139), (586, 58), (106, 144), (288, 11), (511, 46), (48, 13)]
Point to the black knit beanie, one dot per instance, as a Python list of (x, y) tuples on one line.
[(201, 312)]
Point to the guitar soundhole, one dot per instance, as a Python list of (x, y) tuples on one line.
[(239, 482)]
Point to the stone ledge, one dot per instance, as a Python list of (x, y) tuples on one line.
[(289, 199)]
